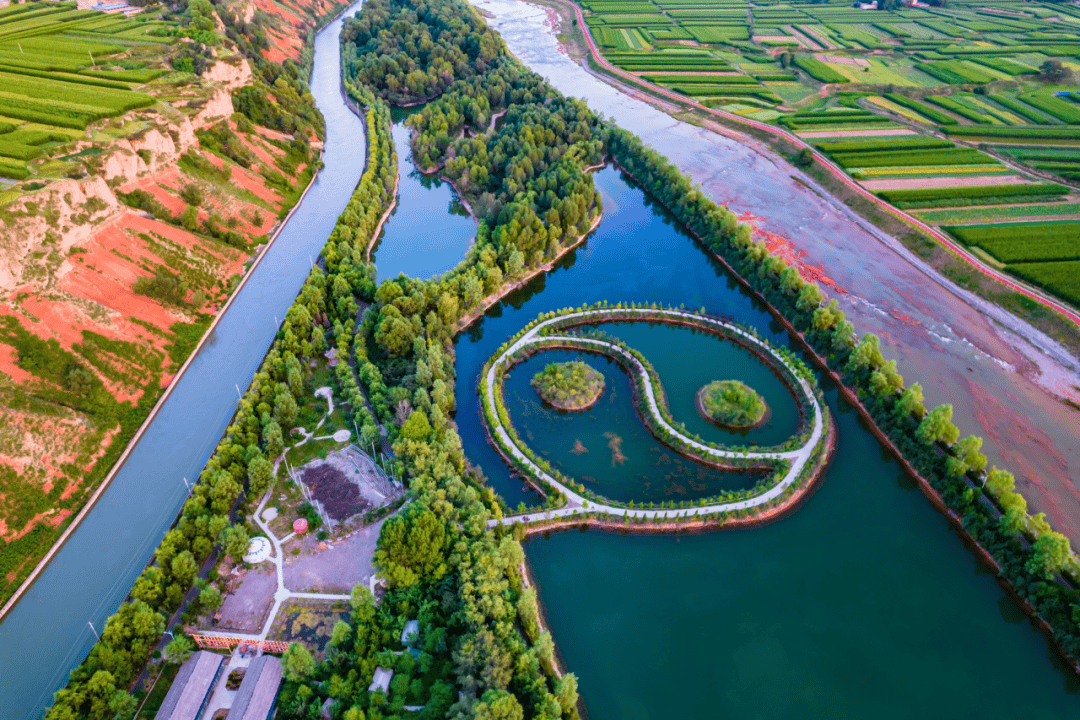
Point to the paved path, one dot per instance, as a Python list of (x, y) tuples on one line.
[(283, 593), (1009, 281), (579, 504)]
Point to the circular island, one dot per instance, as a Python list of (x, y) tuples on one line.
[(569, 385), (732, 405)]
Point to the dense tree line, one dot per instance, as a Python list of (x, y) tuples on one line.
[(409, 52)]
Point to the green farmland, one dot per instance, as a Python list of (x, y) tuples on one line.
[(982, 98), (62, 69)]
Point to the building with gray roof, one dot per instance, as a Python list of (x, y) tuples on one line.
[(192, 688), (257, 696)]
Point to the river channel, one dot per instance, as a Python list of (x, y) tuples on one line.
[(48, 632), (981, 360), (861, 603), (407, 243)]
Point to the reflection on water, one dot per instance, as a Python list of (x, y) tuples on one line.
[(430, 230)]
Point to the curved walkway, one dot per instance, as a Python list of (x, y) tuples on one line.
[(1009, 281), (578, 504)]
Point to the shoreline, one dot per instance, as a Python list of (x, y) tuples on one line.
[(851, 397), (486, 303)]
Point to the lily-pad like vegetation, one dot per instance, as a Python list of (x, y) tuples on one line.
[(732, 404), (569, 385)]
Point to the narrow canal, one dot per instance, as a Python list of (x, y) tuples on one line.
[(48, 633), (861, 603)]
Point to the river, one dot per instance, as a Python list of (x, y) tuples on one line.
[(48, 633), (993, 368), (860, 603)]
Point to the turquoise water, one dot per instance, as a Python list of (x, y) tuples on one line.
[(687, 360), (429, 230), (861, 603)]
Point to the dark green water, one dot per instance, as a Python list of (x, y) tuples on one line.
[(862, 603), (607, 447), (687, 360), (429, 231)]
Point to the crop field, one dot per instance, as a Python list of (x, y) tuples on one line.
[(57, 76), (1023, 242), (1060, 278), (996, 214), (969, 73)]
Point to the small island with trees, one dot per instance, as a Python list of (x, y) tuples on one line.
[(731, 404), (569, 385)]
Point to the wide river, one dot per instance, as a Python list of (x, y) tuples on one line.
[(979, 359), (48, 633)]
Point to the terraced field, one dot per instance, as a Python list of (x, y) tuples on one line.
[(57, 76)]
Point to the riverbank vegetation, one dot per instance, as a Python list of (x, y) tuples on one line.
[(482, 653), (569, 385), (732, 404)]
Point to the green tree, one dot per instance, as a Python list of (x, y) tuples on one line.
[(1049, 553), (937, 427), (1054, 72), (410, 547), (1012, 521), (260, 472), (179, 650), (341, 634), (275, 441), (210, 598), (297, 663), (1000, 481), (498, 705), (184, 568), (234, 542), (285, 408), (416, 427), (566, 692)]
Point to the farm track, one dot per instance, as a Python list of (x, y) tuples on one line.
[(957, 250)]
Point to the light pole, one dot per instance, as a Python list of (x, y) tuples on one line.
[(93, 631)]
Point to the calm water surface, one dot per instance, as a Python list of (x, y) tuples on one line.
[(607, 447), (429, 231), (862, 603)]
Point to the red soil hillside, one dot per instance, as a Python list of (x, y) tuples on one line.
[(108, 280)]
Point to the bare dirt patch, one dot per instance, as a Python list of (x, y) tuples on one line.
[(940, 182), (338, 568), (249, 595), (346, 484)]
